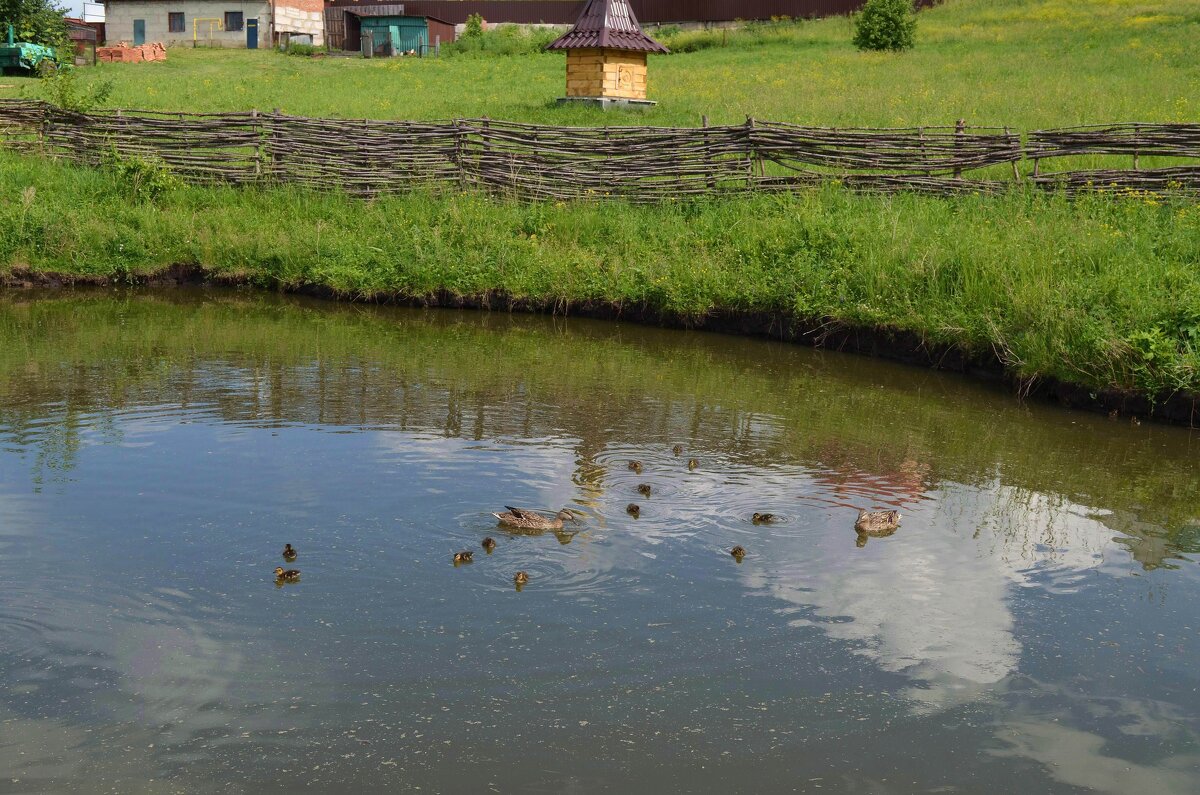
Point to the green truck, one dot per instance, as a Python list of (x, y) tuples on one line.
[(23, 55)]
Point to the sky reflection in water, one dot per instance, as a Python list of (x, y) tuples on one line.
[(1031, 625)]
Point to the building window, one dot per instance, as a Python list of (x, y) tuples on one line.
[(175, 22), (233, 20)]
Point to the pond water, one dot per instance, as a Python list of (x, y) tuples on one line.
[(1034, 625)]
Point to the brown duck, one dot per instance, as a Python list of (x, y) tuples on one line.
[(878, 524), (523, 519), (489, 544), (463, 557), (738, 553), (286, 575), (289, 553), (636, 466)]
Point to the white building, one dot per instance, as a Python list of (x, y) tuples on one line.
[(219, 23)]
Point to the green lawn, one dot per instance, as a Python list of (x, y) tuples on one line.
[(1022, 63)]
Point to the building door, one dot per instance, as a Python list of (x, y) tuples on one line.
[(139, 32), (252, 34)]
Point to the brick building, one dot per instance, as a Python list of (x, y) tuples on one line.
[(222, 23)]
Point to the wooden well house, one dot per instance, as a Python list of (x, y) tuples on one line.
[(606, 55)]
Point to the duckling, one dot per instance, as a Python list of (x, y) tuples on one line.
[(636, 466), (738, 553), (529, 520), (644, 489), (289, 553), (489, 544), (677, 449), (519, 579), (633, 509), (763, 518), (286, 575), (693, 463), (877, 523), (463, 557)]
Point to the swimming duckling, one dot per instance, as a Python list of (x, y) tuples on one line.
[(644, 489), (633, 509), (489, 544), (463, 557), (693, 463), (763, 518), (289, 553), (877, 523), (677, 449), (738, 553), (519, 579), (529, 520), (286, 575), (636, 466)]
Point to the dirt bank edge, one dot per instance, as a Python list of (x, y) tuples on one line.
[(885, 343)]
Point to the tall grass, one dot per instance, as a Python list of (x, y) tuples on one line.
[(1101, 292)]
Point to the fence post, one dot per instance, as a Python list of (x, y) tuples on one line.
[(1016, 170), (752, 151), (960, 128), (258, 150), (708, 164), (459, 153)]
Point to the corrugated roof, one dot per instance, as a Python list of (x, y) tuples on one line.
[(606, 23), (384, 10)]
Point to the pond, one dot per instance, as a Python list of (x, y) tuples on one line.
[(1033, 625)]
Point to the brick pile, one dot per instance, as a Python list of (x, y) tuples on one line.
[(123, 53)]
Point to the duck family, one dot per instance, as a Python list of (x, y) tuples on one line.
[(869, 524)]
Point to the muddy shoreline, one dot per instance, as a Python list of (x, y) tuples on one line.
[(892, 344)]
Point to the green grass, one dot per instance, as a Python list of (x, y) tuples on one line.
[(1022, 63), (1101, 292)]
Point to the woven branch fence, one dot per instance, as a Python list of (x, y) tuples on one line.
[(642, 164)]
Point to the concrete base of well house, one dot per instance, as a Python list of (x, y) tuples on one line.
[(608, 103)]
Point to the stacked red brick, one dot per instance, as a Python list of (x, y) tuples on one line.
[(123, 53)]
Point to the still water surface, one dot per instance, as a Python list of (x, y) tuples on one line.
[(1033, 626)]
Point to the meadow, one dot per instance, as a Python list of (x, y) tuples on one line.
[(1101, 292), (1021, 63)]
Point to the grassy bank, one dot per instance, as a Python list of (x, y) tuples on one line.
[(1102, 293), (1023, 63)]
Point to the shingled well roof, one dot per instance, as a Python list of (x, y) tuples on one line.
[(606, 23)]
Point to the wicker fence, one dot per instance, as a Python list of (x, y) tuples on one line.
[(648, 164)]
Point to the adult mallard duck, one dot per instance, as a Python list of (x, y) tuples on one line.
[(489, 544), (877, 523), (463, 557), (763, 518), (289, 553), (738, 553), (636, 466), (633, 509), (286, 575), (523, 519), (644, 489)]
